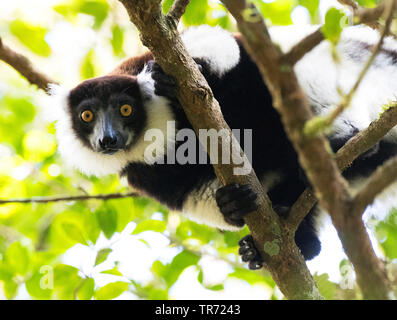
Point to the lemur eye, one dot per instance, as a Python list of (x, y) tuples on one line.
[(125, 110), (87, 116)]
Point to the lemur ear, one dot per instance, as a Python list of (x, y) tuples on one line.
[(55, 105)]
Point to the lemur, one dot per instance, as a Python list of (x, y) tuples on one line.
[(101, 124)]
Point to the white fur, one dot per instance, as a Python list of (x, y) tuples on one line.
[(201, 206), (215, 45), (320, 76)]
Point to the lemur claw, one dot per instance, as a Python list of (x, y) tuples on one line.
[(249, 253), (235, 201)]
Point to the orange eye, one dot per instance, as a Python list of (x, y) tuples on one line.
[(87, 116), (126, 110)]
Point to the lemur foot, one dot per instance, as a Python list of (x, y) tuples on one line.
[(249, 253), (235, 201)]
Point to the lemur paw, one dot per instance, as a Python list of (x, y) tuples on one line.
[(249, 253), (235, 201), (164, 84)]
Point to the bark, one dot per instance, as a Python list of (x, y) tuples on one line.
[(24, 67)]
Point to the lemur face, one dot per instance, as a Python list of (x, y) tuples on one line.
[(107, 113)]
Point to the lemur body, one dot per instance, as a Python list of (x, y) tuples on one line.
[(113, 143)]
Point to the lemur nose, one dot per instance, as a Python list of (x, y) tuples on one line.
[(108, 142)]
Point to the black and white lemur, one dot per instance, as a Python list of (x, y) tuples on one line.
[(101, 124)]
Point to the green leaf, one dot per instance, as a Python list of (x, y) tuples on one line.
[(66, 281), (111, 290), (158, 268), (150, 225), (117, 40), (196, 13), (200, 276), (216, 287), (64, 274), (10, 289), (102, 255), (96, 8), (113, 272), (167, 5), (87, 289), (107, 220), (327, 288), (17, 257), (332, 27), (251, 277), (35, 287), (190, 229), (87, 69), (73, 231), (368, 3), (180, 262), (31, 36), (279, 11), (386, 234)]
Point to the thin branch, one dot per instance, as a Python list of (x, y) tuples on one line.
[(24, 67), (368, 16), (177, 10), (383, 177), (356, 146), (304, 46), (104, 197)]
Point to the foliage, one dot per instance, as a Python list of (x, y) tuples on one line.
[(71, 250)]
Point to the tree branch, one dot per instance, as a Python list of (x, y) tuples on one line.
[(368, 16), (298, 51), (383, 177), (177, 10), (24, 67), (104, 197)]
